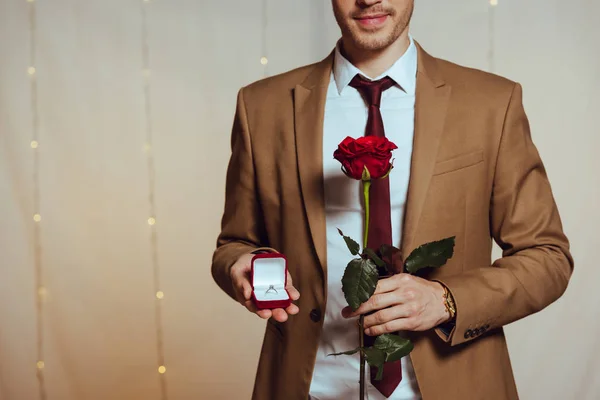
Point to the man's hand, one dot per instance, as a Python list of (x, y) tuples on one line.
[(240, 276), (405, 303)]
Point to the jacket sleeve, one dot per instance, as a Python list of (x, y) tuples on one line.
[(536, 263), (242, 229)]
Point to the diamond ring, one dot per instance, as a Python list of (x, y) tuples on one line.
[(271, 288)]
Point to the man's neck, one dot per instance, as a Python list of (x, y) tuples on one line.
[(374, 63)]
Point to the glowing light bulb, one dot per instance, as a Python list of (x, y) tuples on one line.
[(162, 369), (264, 60)]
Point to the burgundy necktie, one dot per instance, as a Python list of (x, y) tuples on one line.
[(380, 225)]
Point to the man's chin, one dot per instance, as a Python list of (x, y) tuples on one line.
[(369, 40), (371, 43)]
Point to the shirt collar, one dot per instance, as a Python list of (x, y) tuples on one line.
[(403, 71)]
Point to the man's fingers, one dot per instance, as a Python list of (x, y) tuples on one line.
[(292, 309), (264, 314), (402, 324), (280, 315), (389, 284), (294, 293), (376, 302), (392, 283), (277, 313), (389, 314)]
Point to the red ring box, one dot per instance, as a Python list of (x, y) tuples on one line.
[(269, 269)]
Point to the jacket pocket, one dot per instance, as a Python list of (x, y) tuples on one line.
[(459, 162)]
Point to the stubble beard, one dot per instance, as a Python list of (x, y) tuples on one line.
[(374, 41)]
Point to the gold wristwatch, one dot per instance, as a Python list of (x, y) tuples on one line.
[(449, 303)]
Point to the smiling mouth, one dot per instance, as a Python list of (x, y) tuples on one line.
[(372, 20)]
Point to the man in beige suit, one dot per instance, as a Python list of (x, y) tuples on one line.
[(473, 173)]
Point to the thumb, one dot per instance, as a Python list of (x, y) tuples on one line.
[(246, 289), (294, 293)]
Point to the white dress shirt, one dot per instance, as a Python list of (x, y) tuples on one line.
[(337, 377)]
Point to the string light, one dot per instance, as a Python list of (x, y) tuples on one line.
[(41, 292), (146, 75), (264, 60), (494, 2)]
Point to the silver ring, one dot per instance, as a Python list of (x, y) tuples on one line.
[(271, 287)]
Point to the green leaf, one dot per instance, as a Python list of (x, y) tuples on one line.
[(434, 255), (375, 358), (373, 256), (395, 347), (347, 353), (359, 281), (352, 245)]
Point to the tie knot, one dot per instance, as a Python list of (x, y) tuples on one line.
[(371, 90)]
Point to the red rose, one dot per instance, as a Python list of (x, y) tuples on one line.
[(365, 158)]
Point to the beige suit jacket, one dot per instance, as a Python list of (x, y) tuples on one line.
[(475, 174)]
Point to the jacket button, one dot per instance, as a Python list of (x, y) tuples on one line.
[(468, 333), (315, 315)]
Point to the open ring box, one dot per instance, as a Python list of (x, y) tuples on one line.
[(269, 279)]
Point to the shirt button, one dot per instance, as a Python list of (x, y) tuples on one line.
[(315, 315)]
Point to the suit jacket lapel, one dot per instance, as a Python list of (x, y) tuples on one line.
[(309, 110), (432, 96)]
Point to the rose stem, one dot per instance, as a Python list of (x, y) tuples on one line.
[(362, 356), (361, 320)]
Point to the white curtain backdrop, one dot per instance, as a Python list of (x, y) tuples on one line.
[(98, 262)]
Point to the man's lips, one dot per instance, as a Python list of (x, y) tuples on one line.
[(372, 20)]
